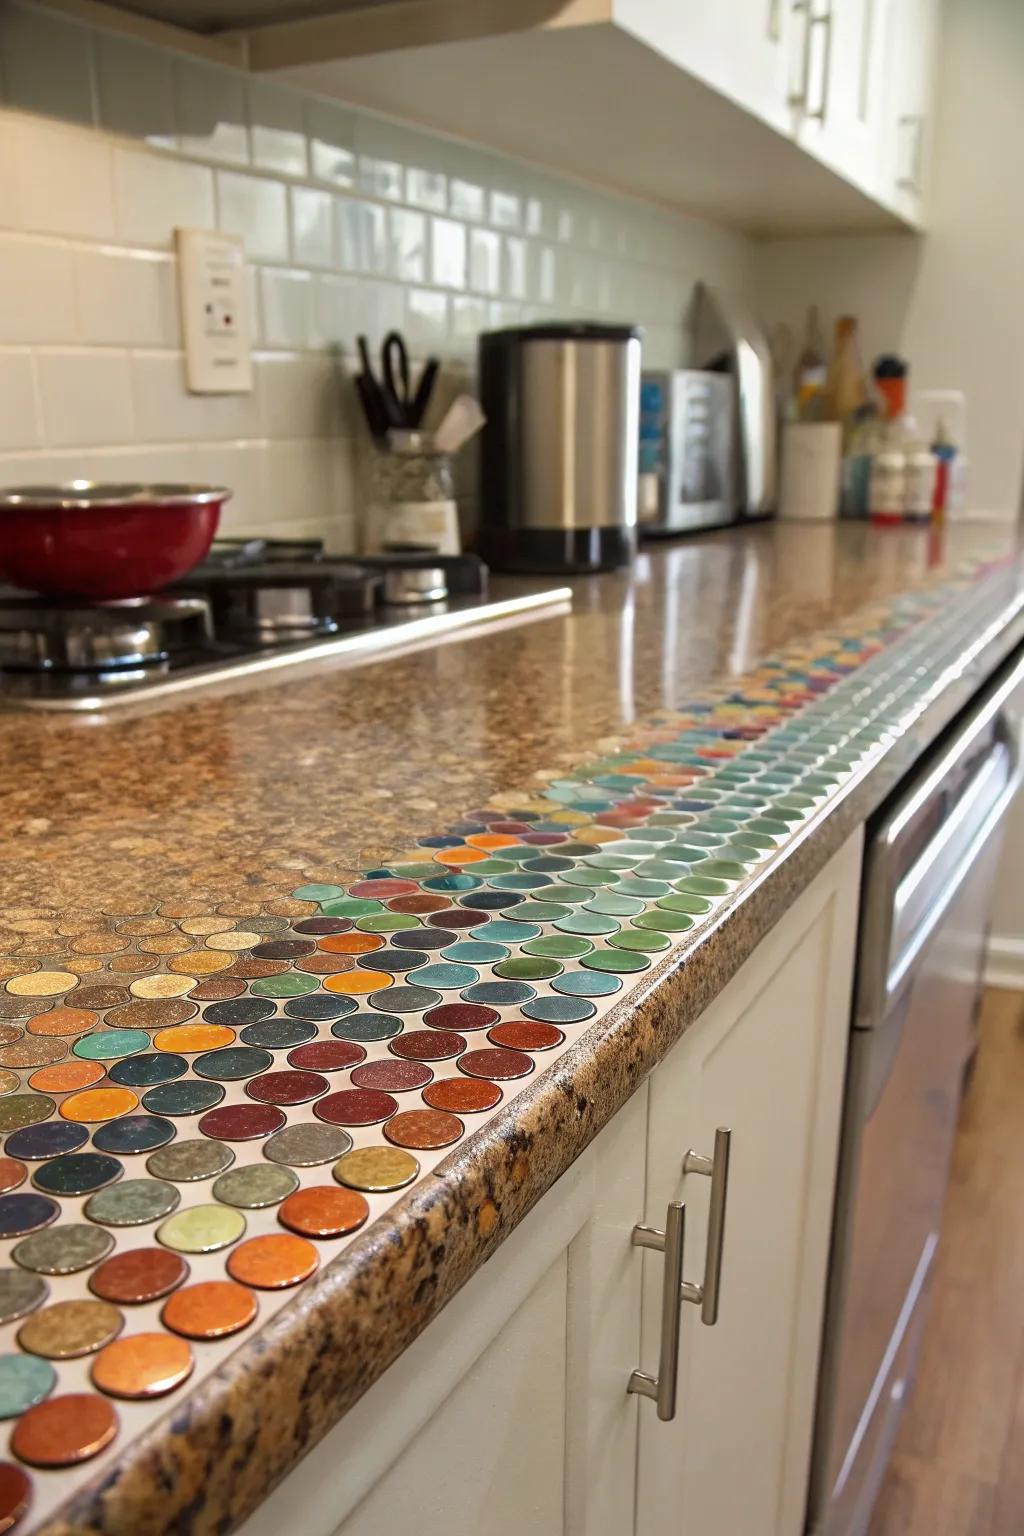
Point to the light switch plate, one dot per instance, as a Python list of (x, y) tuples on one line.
[(214, 312)]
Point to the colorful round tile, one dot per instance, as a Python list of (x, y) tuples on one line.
[(27, 1212), (143, 1366), (190, 1096), (294, 1087), (496, 1062), (307, 1145), (64, 1431), (190, 1039), (67, 1329), (21, 1109), (392, 1076), (423, 1129), (322, 1210), (461, 1016), (47, 1140), (212, 1309), (278, 1034), (587, 984), (186, 1162), (20, 1293), (202, 1229), (462, 1095), (24, 1381), (354, 1106), (238, 1011), (242, 1122), (255, 1186), (77, 1173), (63, 1250), (148, 1070), (499, 994), (12, 1174), (132, 1203), (326, 1056), (232, 1063), (521, 1035), (274, 1262), (367, 1027), (399, 999), (138, 1275), (377, 1170)]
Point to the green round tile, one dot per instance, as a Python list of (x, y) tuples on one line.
[(111, 1044), (631, 886), (542, 911), (572, 894), (422, 871), (617, 961), (255, 1186), (527, 968), (317, 892), (387, 922), (608, 904), (722, 869), (664, 922), (201, 1229), (701, 885), (650, 942), (555, 947), (353, 906), (591, 879), (287, 984), (132, 1203), (696, 906), (587, 923)]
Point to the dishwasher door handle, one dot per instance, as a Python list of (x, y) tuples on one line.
[(929, 887)]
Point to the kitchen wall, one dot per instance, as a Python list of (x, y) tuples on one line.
[(351, 223), (952, 301)]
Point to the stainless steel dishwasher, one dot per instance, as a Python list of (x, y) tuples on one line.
[(929, 871)]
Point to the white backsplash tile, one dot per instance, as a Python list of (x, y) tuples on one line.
[(331, 131), (298, 395), (126, 298), (48, 64), (19, 413), (85, 397), (407, 232), (135, 90), (336, 311), (447, 253), (63, 180), (484, 261), (166, 413), (277, 130), (286, 308), (313, 235), (37, 293), (156, 195), (210, 109), (426, 319), (257, 209)]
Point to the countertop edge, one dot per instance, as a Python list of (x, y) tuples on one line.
[(208, 1463)]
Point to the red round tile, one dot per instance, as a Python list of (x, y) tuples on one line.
[(286, 1087), (509, 828), (326, 1055), (323, 925), (496, 1062), (392, 1076), (423, 1129), (524, 1035), (461, 1016), (419, 904), (355, 1106), (462, 1095), (461, 917), (427, 1045), (242, 1122)]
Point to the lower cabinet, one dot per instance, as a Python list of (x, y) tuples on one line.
[(766, 1061), (511, 1412)]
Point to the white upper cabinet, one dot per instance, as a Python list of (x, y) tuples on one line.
[(739, 48), (838, 79), (907, 105)]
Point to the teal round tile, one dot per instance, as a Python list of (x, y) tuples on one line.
[(543, 911), (559, 1010), (649, 940), (494, 867), (519, 882), (131, 1134), (404, 999), (188, 1096), (588, 923), (571, 895), (545, 864), (147, 1070), (528, 968), (109, 1044), (24, 1381), (663, 922), (77, 1173), (558, 947), (608, 904), (663, 869), (616, 861), (422, 871), (444, 974), (720, 824), (317, 892), (447, 883), (618, 961), (279, 1034), (231, 1063), (770, 825), (590, 879), (475, 952), (505, 930), (500, 994), (288, 984), (701, 839), (587, 984), (365, 1027)]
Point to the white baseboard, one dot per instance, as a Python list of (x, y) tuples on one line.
[(1004, 966)]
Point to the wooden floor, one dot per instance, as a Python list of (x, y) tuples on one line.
[(958, 1468)]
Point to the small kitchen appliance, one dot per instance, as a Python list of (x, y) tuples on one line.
[(708, 433), (559, 450)]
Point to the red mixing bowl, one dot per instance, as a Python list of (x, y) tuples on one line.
[(105, 541)]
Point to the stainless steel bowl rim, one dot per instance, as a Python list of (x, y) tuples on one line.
[(83, 495)]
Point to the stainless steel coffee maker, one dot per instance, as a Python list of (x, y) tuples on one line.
[(559, 452)]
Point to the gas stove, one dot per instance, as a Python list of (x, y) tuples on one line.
[(252, 609)]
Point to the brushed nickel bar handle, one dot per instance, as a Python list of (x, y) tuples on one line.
[(674, 1291), (717, 1169)]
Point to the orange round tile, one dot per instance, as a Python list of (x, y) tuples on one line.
[(98, 1104), (358, 981), (491, 840), (461, 855), (63, 1021), (323, 1210), (350, 943), (271, 1263), (66, 1076), (186, 1039), (142, 1365), (201, 962)]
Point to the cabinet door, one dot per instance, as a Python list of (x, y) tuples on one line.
[(737, 47), (837, 63), (909, 83), (509, 1414), (767, 1061)]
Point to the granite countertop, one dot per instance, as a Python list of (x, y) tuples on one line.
[(226, 807)]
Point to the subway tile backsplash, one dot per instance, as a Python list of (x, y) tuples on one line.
[(351, 222)]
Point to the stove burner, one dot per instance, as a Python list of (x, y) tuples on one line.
[(278, 602), (37, 635)]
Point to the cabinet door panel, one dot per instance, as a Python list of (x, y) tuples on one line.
[(841, 46), (767, 1061)]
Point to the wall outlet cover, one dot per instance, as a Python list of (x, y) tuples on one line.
[(214, 312)]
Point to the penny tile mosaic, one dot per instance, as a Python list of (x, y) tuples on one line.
[(182, 1150)]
